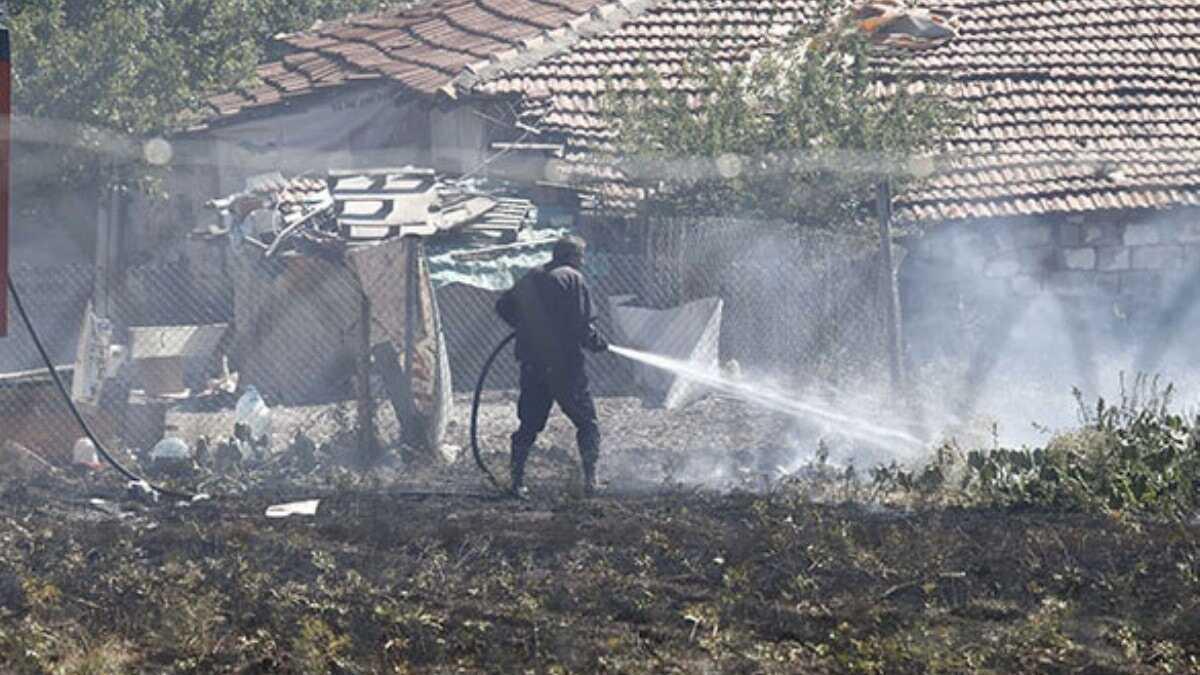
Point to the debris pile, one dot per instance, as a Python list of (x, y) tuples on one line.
[(890, 23), (345, 207)]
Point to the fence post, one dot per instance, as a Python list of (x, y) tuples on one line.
[(368, 445), (883, 205), (5, 137), (100, 277), (411, 426), (109, 214)]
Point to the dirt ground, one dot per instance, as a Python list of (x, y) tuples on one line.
[(715, 441), (411, 569)]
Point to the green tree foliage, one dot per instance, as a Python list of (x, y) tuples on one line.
[(93, 72), (800, 132)]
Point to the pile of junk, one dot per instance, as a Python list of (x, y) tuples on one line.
[(329, 299), (325, 291)]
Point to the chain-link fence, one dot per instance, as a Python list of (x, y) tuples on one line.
[(804, 305), (32, 412), (171, 349)]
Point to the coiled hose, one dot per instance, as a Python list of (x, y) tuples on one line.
[(483, 373)]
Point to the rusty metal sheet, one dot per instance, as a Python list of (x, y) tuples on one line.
[(407, 343)]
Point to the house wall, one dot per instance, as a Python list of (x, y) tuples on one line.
[(1121, 274), (51, 227), (52, 220), (367, 126), (151, 223), (457, 138)]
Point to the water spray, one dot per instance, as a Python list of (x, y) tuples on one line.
[(774, 400), (858, 429)]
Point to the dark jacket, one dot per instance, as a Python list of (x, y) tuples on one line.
[(551, 310)]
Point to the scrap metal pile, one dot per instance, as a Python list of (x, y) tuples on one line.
[(346, 207)]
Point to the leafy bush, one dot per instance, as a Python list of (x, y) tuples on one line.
[(1133, 456)]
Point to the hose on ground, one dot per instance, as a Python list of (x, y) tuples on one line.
[(483, 373), (66, 396)]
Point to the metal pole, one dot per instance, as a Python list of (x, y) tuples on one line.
[(105, 215), (111, 249), (367, 443), (411, 430), (5, 136), (883, 205)]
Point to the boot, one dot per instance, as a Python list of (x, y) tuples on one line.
[(589, 477), (587, 439), (517, 467)]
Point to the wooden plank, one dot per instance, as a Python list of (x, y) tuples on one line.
[(399, 171)]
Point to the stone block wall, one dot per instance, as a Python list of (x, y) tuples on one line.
[(1119, 270)]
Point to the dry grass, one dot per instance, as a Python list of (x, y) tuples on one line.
[(680, 582)]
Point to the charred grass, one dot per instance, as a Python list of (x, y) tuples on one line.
[(681, 581)]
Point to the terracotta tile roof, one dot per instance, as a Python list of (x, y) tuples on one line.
[(421, 48), (1080, 104)]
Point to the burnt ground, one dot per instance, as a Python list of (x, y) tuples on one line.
[(715, 441), (425, 570)]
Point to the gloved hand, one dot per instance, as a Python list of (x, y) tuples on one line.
[(598, 344)]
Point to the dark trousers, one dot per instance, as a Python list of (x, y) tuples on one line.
[(540, 389)]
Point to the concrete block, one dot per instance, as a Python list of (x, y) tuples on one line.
[(1036, 261), (1025, 284), (1072, 282), (1181, 280), (1141, 285), (1108, 284), (1070, 235), (1033, 235), (1112, 258), (1002, 267), (1102, 234), (1079, 258), (1188, 232), (1141, 234), (1163, 256)]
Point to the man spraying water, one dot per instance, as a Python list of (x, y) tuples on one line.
[(551, 310)]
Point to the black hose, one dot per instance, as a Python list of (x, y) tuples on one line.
[(103, 452), (487, 366), (62, 389)]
